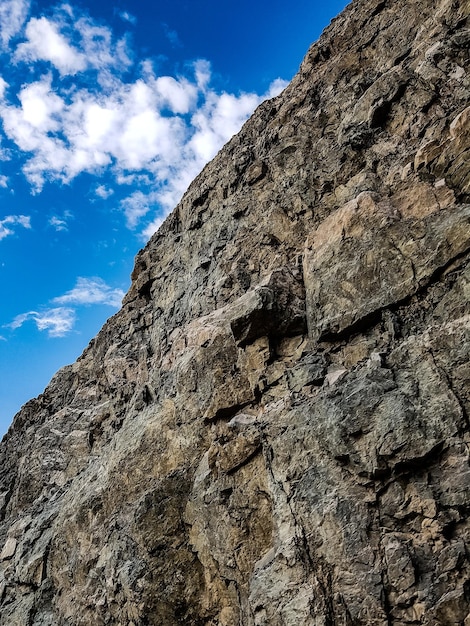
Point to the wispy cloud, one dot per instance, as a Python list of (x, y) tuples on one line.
[(59, 224), (3, 181), (60, 320), (8, 224), (56, 321), (127, 17), (91, 291)]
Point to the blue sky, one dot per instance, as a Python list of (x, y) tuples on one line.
[(107, 112)]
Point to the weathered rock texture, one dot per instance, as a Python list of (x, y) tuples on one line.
[(274, 429)]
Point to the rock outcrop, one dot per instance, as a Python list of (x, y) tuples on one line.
[(274, 430)]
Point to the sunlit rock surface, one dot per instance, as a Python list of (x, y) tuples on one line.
[(274, 430)]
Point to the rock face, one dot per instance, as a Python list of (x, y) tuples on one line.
[(274, 430)]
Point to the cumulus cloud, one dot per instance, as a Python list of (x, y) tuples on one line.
[(85, 114), (91, 291), (56, 321), (3, 181), (13, 14), (44, 42), (10, 222)]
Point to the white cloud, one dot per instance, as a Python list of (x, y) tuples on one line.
[(73, 45), (3, 181), (46, 43), (202, 71), (275, 88), (13, 14), (178, 95), (58, 223), (91, 291), (104, 192), (57, 321), (8, 224), (136, 206), (218, 120), (40, 106), (152, 228), (3, 87), (127, 17), (96, 44)]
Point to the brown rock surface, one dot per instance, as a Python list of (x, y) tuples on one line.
[(274, 430)]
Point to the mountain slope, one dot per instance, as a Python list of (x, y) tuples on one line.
[(274, 429)]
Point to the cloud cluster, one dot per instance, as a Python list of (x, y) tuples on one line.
[(58, 321), (10, 222), (83, 107)]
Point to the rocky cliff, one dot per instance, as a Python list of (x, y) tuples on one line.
[(274, 430)]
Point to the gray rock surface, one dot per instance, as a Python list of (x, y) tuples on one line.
[(274, 430)]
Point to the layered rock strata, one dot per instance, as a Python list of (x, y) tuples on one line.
[(274, 430)]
